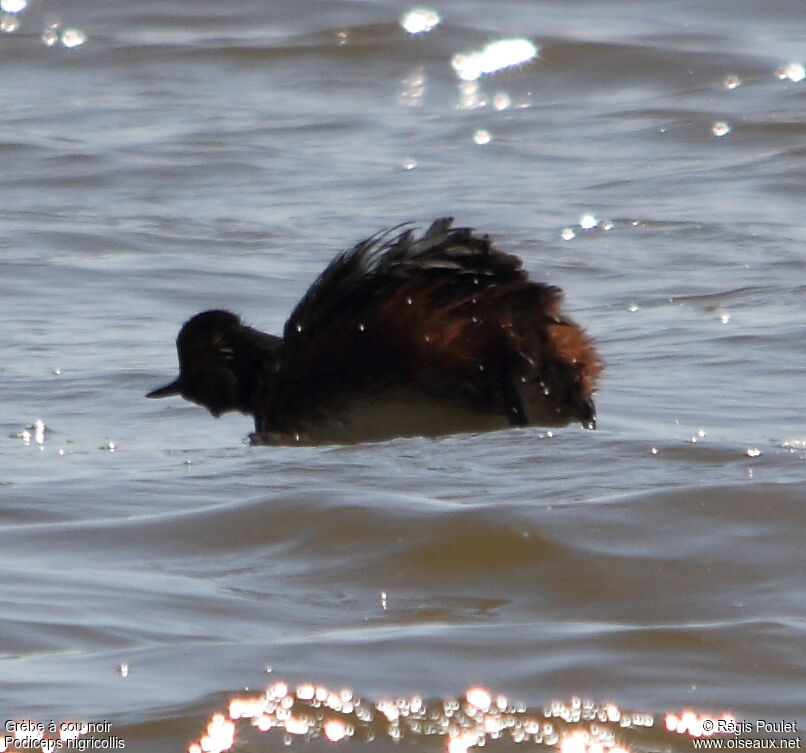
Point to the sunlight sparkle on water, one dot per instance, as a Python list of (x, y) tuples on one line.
[(246, 708), (467, 722), (480, 698), (73, 38), (264, 722), (588, 221), (9, 23), (306, 691), (462, 743), (471, 96), (296, 726), (13, 6), (494, 57), (419, 20), (794, 72), (335, 730), (220, 736), (731, 82), (482, 137), (720, 128), (692, 724), (413, 89), (502, 101)]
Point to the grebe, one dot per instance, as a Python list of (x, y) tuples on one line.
[(399, 336)]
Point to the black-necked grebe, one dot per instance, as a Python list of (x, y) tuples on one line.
[(400, 336)]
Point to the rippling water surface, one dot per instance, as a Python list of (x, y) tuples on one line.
[(159, 158)]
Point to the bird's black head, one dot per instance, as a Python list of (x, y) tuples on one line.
[(222, 363)]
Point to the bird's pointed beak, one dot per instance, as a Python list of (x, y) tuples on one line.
[(174, 388)]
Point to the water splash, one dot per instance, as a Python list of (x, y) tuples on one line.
[(587, 222), (34, 433), (793, 445)]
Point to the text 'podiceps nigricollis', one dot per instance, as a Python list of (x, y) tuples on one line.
[(399, 336)]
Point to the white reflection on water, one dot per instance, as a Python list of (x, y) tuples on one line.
[(588, 221), (794, 72), (471, 96), (419, 20), (413, 88), (13, 6), (495, 56), (51, 34), (578, 726), (502, 101), (73, 38), (9, 23), (720, 128)]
